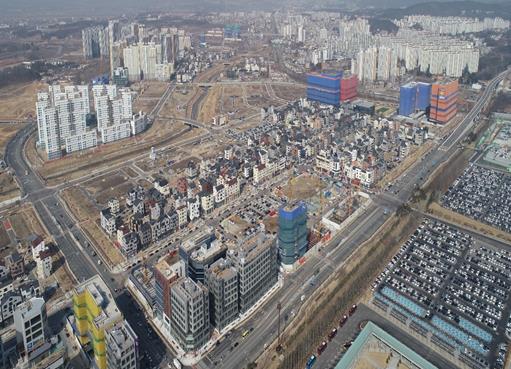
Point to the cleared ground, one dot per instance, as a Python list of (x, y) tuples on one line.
[(8, 187), (303, 187), (81, 164), (88, 216), (18, 101), (25, 223), (148, 94), (289, 92)]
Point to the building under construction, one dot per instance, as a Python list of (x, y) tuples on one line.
[(292, 235)]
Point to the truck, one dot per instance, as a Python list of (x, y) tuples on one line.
[(177, 363)]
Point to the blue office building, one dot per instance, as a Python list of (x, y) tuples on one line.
[(324, 88), (423, 100), (414, 96), (292, 236), (407, 99)]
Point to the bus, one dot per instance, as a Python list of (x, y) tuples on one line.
[(310, 362)]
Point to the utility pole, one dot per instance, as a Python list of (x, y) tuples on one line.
[(279, 346)]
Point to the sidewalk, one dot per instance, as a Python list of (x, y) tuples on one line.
[(190, 359)]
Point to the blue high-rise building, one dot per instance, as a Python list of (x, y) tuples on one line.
[(414, 96), (407, 99), (292, 236), (423, 95), (324, 88)]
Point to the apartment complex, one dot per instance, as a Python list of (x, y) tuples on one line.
[(95, 42), (145, 61), (61, 119)]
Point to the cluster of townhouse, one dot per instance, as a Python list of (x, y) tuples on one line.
[(25, 340), (344, 143), (150, 215), (19, 275)]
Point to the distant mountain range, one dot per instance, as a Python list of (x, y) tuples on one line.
[(383, 8), (451, 8)]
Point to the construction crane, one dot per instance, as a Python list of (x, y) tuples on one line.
[(354, 188)]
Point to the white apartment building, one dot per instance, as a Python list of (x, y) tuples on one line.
[(82, 141), (95, 42), (112, 105), (61, 114), (142, 60), (116, 132)]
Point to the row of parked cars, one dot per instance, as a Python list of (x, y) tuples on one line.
[(331, 335)]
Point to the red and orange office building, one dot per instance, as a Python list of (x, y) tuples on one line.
[(444, 101)]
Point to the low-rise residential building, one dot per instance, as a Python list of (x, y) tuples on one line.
[(16, 264), (162, 186), (129, 244), (108, 221)]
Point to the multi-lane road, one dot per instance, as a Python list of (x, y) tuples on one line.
[(72, 243)]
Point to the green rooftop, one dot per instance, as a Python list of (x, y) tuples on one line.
[(358, 352)]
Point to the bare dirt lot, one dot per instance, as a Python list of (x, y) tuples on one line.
[(8, 187), (88, 216), (81, 164), (7, 131), (148, 94), (289, 92), (104, 182), (25, 223), (303, 187), (18, 101)]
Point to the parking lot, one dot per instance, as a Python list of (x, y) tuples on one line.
[(246, 219), (482, 194), (452, 289)]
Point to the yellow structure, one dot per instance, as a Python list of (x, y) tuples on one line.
[(95, 312)]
